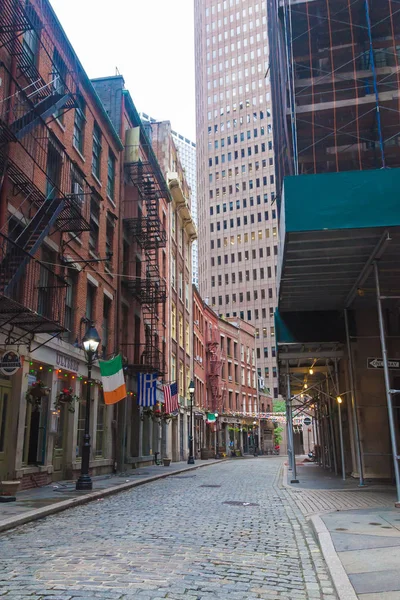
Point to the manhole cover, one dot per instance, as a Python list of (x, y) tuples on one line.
[(211, 486), (236, 503), (184, 476)]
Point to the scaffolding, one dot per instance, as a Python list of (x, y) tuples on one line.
[(335, 85)]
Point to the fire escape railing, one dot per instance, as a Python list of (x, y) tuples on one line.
[(150, 289), (35, 302)]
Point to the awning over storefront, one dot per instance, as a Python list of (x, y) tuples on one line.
[(332, 227)]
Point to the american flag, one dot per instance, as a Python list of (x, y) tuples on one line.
[(147, 389), (171, 402)]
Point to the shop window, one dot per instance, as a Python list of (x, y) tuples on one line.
[(100, 426)]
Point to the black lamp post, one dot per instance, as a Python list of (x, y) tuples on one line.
[(217, 456), (91, 341), (191, 457), (254, 437)]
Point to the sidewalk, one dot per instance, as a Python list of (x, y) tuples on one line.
[(358, 530), (40, 502)]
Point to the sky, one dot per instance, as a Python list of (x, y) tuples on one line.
[(150, 42)]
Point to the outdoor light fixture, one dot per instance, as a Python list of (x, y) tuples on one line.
[(90, 341), (191, 392), (216, 415), (254, 422), (339, 400), (305, 386), (311, 371)]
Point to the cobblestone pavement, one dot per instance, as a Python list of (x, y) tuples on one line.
[(176, 538), (311, 502)]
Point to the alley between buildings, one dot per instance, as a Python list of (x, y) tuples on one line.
[(228, 530)]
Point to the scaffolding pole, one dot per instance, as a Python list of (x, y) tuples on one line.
[(330, 406), (340, 423), (290, 423), (389, 391), (354, 402)]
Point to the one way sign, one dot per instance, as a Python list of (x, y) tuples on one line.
[(377, 363)]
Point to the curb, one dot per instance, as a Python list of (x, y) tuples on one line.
[(40, 513), (341, 581)]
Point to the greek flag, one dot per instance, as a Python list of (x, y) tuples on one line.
[(147, 389)]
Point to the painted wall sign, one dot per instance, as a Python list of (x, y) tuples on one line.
[(10, 362), (377, 363), (66, 362)]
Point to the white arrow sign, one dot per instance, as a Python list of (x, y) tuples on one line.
[(377, 363)]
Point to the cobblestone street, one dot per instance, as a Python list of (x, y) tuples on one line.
[(180, 537)]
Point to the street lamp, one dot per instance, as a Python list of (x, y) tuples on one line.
[(254, 437), (91, 341), (191, 457), (217, 456)]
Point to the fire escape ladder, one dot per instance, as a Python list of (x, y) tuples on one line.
[(41, 111), (29, 241)]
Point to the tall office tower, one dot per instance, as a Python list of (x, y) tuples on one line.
[(235, 169), (187, 155)]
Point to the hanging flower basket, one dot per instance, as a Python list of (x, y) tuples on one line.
[(36, 392), (155, 415), (66, 398)]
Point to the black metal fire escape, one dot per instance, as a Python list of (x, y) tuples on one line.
[(25, 138), (149, 290)]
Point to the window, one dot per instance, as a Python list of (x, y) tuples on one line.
[(180, 285), (187, 338), (173, 367), (173, 271), (53, 167), (110, 227), (181, 380), (79, 125), (58, 79), (69, 305), (180, 324), (100, 425), (96, 151), (173, 321), (90, 301), (106, 325), (111, 175), (31, 41), (94, 223)]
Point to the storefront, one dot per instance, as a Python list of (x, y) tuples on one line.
[(42, 409)]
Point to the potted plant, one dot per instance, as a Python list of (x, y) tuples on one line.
[(8, 489), (166, 462), (36, 392), (66, 397)]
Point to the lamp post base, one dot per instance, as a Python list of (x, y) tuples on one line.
[(190, 460), (84, 483)]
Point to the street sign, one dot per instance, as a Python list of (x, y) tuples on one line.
[(307, 421), (10, 362), (377, 363)]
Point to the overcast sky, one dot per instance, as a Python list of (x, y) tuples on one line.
[(150, 42)]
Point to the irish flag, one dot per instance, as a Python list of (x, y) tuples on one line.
[(112, 377)]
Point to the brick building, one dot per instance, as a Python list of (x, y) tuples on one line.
[(142, 319), (181, 234), (59, 210)]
